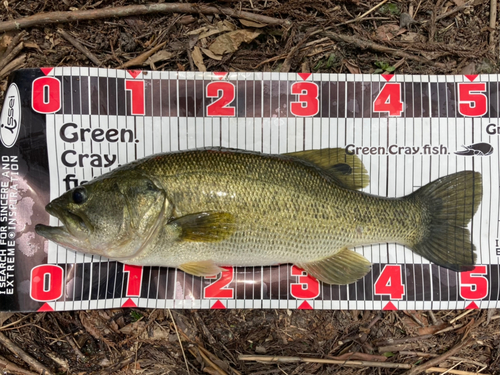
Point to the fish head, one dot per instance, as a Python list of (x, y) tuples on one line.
[(114, 217)]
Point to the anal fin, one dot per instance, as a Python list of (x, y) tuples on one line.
[(344, 267), (202, 268)]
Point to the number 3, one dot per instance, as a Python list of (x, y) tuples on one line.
[(306, 288)]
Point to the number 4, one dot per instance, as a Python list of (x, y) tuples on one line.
[(389, 100), (390, 282)]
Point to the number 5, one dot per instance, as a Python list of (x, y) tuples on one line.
[(473, 286), (472, 101)]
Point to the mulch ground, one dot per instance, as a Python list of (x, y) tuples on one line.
[(404, 37)]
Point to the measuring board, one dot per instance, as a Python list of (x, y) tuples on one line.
[(63, 126)]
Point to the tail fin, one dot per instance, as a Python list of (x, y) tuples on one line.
[(449, 204)]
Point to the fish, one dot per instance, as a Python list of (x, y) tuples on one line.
[(202, 209)]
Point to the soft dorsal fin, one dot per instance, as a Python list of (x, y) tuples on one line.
[(347, 169)]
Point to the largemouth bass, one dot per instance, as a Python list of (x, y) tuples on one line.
[(202, 209)]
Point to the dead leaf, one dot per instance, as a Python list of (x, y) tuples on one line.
[(5, 316), (198, 59), (410, 37), (198, 31), (139, 60), (211, 54), (469, 69), (430, 330), (32, 45), (353, 68), (159, 56), (220, 27), (229, 42), (249, 23), (389, 31)]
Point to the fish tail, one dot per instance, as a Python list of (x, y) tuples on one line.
[(449, 204)]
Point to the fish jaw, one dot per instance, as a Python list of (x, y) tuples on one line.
[(61, 236), (72, 234)]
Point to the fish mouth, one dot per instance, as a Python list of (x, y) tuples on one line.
[(74, 225)]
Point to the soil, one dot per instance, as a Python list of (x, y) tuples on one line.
[(345, 36)]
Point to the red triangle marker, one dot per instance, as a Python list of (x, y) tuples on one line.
[(305, 306), (129, 303), (134, 73), (472, 306), (304, 76), (220, 74), (390, 306), (45, 307), (46, 71), (218, 305), (471, 77), (387, 77)]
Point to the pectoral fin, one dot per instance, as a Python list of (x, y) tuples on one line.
[(203, 268), (345, 267), (204, 226), (348, 170)]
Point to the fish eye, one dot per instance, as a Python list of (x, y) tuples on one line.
[(79, 195)]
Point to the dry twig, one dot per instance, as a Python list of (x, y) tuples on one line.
[(180, 341), (32, 362), (283, 359), (133, 10), (79, 47), (15, 46), (365, 44), (436, 361), (8, 367), (139, 60)]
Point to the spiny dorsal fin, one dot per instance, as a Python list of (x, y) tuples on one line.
[(347, 169), (345, 267), (201, 268), (205, 226)]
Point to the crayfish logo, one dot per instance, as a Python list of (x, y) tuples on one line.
[(476, 149)]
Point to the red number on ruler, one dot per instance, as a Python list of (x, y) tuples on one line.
[(220, 289), (46, 95), (134, 280), (306, 288), (389, 100), (473, 285), (136, 88), (471, 100), (46, 283), (221, 107), (308, 104), (390, 282)]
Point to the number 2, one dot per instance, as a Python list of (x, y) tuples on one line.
[(220, 288), (221, 106)]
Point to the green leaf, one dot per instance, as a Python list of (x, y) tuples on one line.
[(390, 69), (135, 315)]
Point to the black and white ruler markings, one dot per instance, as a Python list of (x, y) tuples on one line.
[(405, 129)]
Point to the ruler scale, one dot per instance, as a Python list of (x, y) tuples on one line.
[(62, 126)]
